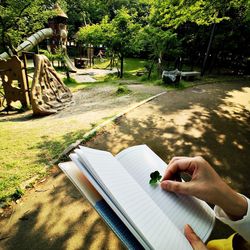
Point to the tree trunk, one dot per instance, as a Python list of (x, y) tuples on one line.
[(208, 50), (118, 69), (111, 64), (5, 45), (122, 61), (159, 65), (150, 69)]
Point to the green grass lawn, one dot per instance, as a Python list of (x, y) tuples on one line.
[(27, 148), (131, 65)]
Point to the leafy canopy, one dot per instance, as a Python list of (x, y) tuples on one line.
[(157, 42), (117, 35), (173, 13), (19, 19)]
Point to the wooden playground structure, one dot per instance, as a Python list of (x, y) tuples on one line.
[(45, 96), (47, 93)]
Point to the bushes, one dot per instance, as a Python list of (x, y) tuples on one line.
[(122, 90), (58, 56)]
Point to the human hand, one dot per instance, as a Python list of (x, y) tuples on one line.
[(193, 239), (205, 184)]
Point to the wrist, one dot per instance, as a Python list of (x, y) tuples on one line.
[(233, 204)]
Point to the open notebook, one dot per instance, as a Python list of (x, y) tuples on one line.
[(156, 218)]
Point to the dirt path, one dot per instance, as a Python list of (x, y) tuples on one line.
[(97, 102), (87, 75), (209, 120)]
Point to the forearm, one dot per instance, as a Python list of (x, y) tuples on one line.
[(232, 203)]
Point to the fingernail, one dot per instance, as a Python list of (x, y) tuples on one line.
[(188, 227), (164, 184)]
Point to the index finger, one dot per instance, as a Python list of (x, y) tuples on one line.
[(180, 165), (177, 158)]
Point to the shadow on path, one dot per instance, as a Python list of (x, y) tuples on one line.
[(214, 123), (55, 216)]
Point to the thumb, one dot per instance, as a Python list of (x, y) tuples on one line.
[(193, 239), (176, 187)]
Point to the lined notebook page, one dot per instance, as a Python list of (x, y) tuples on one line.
[(140, 161), (157, 231)]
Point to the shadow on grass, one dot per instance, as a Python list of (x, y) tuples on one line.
[(50, 149)]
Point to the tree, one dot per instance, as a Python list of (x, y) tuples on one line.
[(84, 12), (87, 12), (174, 14), (159, 43), (122, 34), (117, 35), (20, 19)]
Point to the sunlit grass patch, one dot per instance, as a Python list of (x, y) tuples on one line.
[(122, 90), (28, 147)]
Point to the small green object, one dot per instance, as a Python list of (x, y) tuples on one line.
[(155, 177)]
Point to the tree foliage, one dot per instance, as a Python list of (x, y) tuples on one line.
[(87, 12), (19, 19), (159, 44), (117, 35), (158, 28), (173, 13)]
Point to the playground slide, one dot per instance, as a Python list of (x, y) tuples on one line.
[(70, 64), (35, 39), (31, 42)]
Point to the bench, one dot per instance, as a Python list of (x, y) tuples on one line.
[(174, 76), (81, 62), (189, 76)]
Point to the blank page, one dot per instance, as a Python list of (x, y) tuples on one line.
[(140, 161), (153, 226)]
